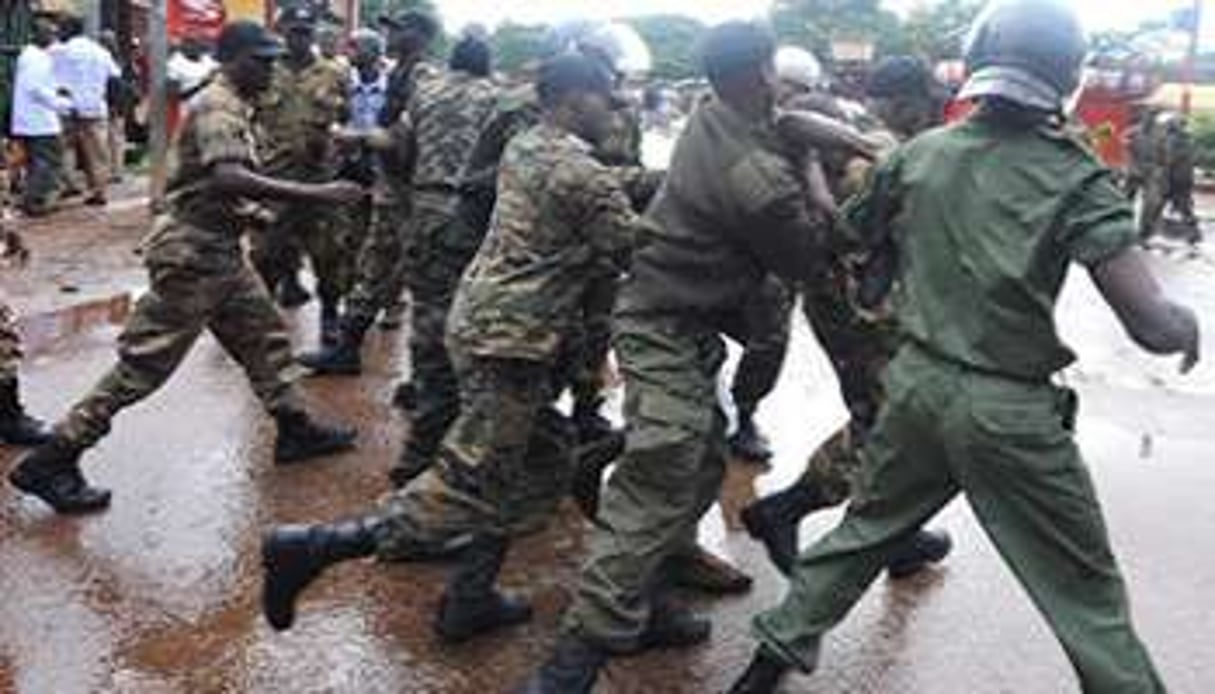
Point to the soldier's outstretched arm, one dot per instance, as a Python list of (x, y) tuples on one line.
[(1155, 323), (814, 130), (235, 178)]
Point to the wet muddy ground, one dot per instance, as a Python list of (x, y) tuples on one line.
[(159, 594)]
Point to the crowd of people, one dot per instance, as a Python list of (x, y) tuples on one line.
[(532, 241)]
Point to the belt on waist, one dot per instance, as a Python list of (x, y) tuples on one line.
[(939, 355)]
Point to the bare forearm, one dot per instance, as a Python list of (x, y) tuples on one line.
[(1155, 323), (813, 130), (237, 179)]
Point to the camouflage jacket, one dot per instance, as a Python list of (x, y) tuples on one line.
[(448, 111), (202, 226), (559, 214), (296, 115)]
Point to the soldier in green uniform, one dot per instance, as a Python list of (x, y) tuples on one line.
[(381, 266), (903, 96), (444, 116), (732, 209), (558, 214), (307, 98), (199, 280), (16, 427), (987, 217)]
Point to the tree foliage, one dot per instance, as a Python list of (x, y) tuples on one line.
[(515, 45), (673, 41)]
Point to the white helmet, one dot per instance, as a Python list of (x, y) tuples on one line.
[(799, 66), (617, 43)]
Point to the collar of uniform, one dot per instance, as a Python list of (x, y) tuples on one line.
[(222, 83), (760, 129), (555, 134)]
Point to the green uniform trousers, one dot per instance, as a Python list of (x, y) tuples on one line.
[(10, 344), (167, 321), (1006, 445), (669, 476), (504, 459), (767, 317)]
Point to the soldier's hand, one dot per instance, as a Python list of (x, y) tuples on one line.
[(342, 192)]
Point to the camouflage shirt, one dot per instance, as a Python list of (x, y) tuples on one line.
[(296, 114), (559, 213), (202, 226), (448, 111)]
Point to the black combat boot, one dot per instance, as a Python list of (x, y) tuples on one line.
[(747, 442), (301, 438), (701, 571), (341, 356), (762, 675), (572, 668), (331, 324), (672, 625), (923, 548), (590, 424), (291, 294), (471, 605), (16, 427), (294, 555), (52, 473), (405, 396), (591, 460), (774, 521)]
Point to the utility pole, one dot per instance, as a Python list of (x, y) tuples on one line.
[(92, 18), (158, 99), (1191, 59)]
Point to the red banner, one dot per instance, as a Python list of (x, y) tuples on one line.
[(201, 18)]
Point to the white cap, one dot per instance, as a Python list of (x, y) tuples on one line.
[(799, 66)]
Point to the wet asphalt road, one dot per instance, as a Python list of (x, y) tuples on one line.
[(159, 594)]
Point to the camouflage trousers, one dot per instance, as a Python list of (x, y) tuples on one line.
[(506, 459), (767, 319), (10, 344), (328, 236), (440, 249), (166, 322), (379, 273), (859, 347), (669, 476)]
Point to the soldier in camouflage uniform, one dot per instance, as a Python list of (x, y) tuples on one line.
[(445, 115), (16, 427), (559, 213), (732, 209), (199, 280), (903, 96), (381, 266), (296, 116)]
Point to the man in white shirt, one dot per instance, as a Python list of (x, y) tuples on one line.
[(35, 119), (84, 68)]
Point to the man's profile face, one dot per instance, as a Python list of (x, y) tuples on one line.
[(252, 74)]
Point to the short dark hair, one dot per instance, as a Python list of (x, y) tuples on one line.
[(70, 26), (736, 47), (570, 73), (471, 55), (901, 76)]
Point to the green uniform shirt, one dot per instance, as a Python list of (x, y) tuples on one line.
[(731, 209), (559, 214), (987, 220)]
